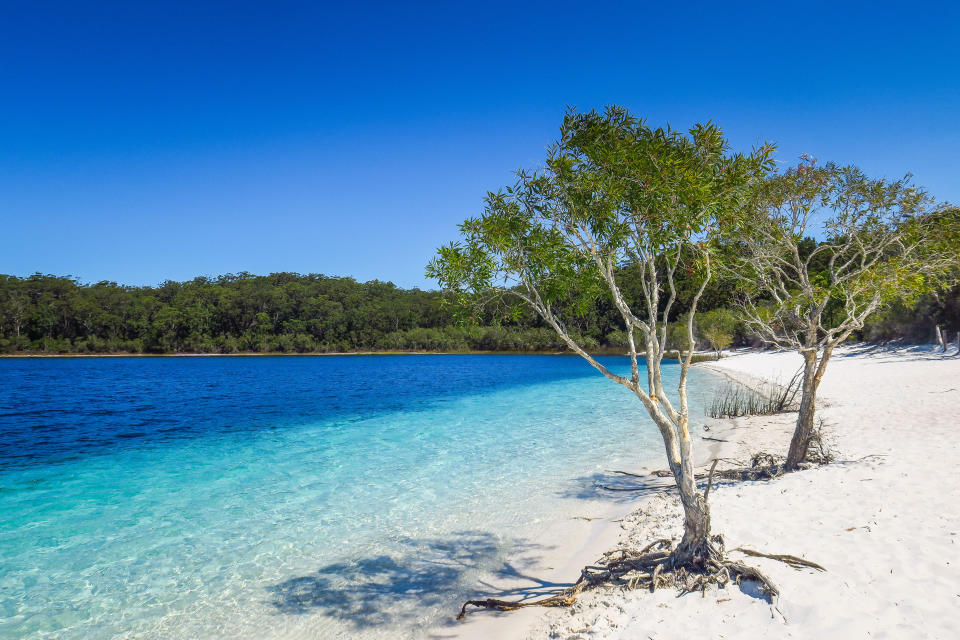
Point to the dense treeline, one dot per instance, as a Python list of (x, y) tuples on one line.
[(232, 313), (282, 312), (287, 312)]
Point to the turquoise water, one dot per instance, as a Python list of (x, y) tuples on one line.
[(290, 497)]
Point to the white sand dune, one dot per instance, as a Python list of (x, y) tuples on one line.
[(884, 520)]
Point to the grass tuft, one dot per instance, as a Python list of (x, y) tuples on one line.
[(734, 399)]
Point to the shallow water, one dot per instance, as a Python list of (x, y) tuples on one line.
[(290, 497)]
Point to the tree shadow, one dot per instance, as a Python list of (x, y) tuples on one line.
[(614, 487), (619, 488), (893, 353), (414, 584)]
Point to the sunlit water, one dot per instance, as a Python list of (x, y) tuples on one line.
[(289, 497)]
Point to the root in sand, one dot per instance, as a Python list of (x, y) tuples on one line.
[(655, 567)]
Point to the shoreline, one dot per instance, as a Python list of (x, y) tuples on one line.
[(580, 544), (872, 518), (253, 354)]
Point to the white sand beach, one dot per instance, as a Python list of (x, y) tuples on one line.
[(884, 520)]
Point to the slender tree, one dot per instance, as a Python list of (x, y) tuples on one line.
[(615, 194), (879, 240)]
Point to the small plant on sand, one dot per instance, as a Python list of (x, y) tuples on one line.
[(616, 193), (734, 399)]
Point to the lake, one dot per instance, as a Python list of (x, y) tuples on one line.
[(324, 496)]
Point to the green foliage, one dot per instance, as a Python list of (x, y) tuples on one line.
[(618, 339), (718, 338), (282, 312), (882, 242), (616, 199), (56, 315), (677, 333), (915, 322), (719, 327)]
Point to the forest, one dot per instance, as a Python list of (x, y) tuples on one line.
[(293, 313)]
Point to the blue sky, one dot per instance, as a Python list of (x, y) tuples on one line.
[(142, 142)]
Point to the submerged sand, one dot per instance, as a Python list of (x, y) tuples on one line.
[(884, 519)]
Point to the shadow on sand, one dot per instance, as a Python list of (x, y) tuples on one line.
[(609, 486), (901, 352), (418, 584), (620, 488)]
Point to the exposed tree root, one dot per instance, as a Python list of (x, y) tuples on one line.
[(655, 566), (794, 561), (609, 488), (817, 450), (664, 473), (714, 439), (762, 466), (632, 475), (870, 456)]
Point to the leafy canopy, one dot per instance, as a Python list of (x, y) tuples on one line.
[(613, 192), (882, 240)]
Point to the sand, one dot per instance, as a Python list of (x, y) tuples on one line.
[(884, 519)]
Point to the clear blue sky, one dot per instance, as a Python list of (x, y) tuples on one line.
[(142, 142)]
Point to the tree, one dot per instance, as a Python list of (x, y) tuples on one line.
[(614, 193), (718, 327), (882, 240), (718, 338)]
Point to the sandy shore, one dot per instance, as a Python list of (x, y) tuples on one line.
[(884, 520)]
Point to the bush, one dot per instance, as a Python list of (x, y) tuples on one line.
[(303, 343), (616, 339)]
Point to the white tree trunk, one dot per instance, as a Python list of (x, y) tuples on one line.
[(695, 549), (813, 371)]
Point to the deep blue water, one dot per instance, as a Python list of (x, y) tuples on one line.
[(286, 496), (59, 410)]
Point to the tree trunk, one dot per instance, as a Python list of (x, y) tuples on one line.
[(696, 550), (940, 340), (804, 429)]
